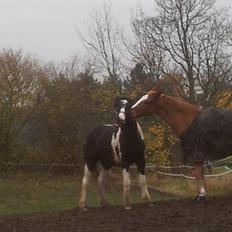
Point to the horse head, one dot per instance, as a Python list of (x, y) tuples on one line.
[(122, 109), (147, 105)]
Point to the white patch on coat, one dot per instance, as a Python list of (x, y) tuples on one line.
[(140, 131), (126, 188), (101, 184), (101, 175), (115, 143), (143, 186), (126, 179), (122, 116), (85, 182), (122, 111), (143, 98)]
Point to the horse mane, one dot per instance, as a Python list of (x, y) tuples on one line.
[(170, 85), (180, 104)]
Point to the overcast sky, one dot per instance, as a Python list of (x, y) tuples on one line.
[(47, 28)]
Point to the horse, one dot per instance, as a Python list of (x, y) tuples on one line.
[(115, 145), (205, 134)]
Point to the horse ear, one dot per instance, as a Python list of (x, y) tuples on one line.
[(115, 102), (154, 96)]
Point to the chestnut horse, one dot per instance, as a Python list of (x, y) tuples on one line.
[(205, 134)]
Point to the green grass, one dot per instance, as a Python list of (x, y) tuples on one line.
[(218, 170), (182, 187), (24, 194), (28, 193)]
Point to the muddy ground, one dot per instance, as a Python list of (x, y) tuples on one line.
[(175, 216)]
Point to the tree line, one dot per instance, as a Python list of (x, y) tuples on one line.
[(46, 110)]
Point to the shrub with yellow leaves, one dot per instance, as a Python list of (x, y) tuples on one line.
[(160, 143)]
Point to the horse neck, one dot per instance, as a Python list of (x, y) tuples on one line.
[(179, 114), (130, 129)]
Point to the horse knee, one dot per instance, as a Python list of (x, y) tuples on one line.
[(144, 189), (101, 176), (85, 182), (86, 177), (142, 180), (126, 179)]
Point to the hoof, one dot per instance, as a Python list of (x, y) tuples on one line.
[(82, 206), (84, 209), (200, 199), (151, 205)]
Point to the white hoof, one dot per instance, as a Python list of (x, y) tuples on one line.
[(128, 207), (84, 209)]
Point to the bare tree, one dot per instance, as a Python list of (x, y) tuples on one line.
[(194, 39), (143, 51), (103, 42)]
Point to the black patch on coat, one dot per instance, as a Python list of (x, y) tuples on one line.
[(98, 146)]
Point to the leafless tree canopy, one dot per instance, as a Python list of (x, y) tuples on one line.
[(193, 38), (103, 42)]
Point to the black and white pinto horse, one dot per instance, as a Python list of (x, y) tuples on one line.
[(114, 145)]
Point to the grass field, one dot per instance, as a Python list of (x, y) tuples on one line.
[(36, 192), (27, 193), (182, 187)]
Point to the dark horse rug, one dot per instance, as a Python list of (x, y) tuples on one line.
[(209, 137)]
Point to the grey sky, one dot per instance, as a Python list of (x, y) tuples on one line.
[(47, 28)]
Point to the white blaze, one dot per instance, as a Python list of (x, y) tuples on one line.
[(143, 98)]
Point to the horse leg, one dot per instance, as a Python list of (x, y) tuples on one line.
[(200, 179), (126, 188), (85, 182), (143, 182), (101, 186), (144, 190)]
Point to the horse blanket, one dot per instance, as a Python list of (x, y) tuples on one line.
[(209, 137)]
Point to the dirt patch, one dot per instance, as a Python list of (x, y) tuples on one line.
[(173, 216)]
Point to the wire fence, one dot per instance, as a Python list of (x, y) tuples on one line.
[(175, 171), (191, 177), (179, 170)]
